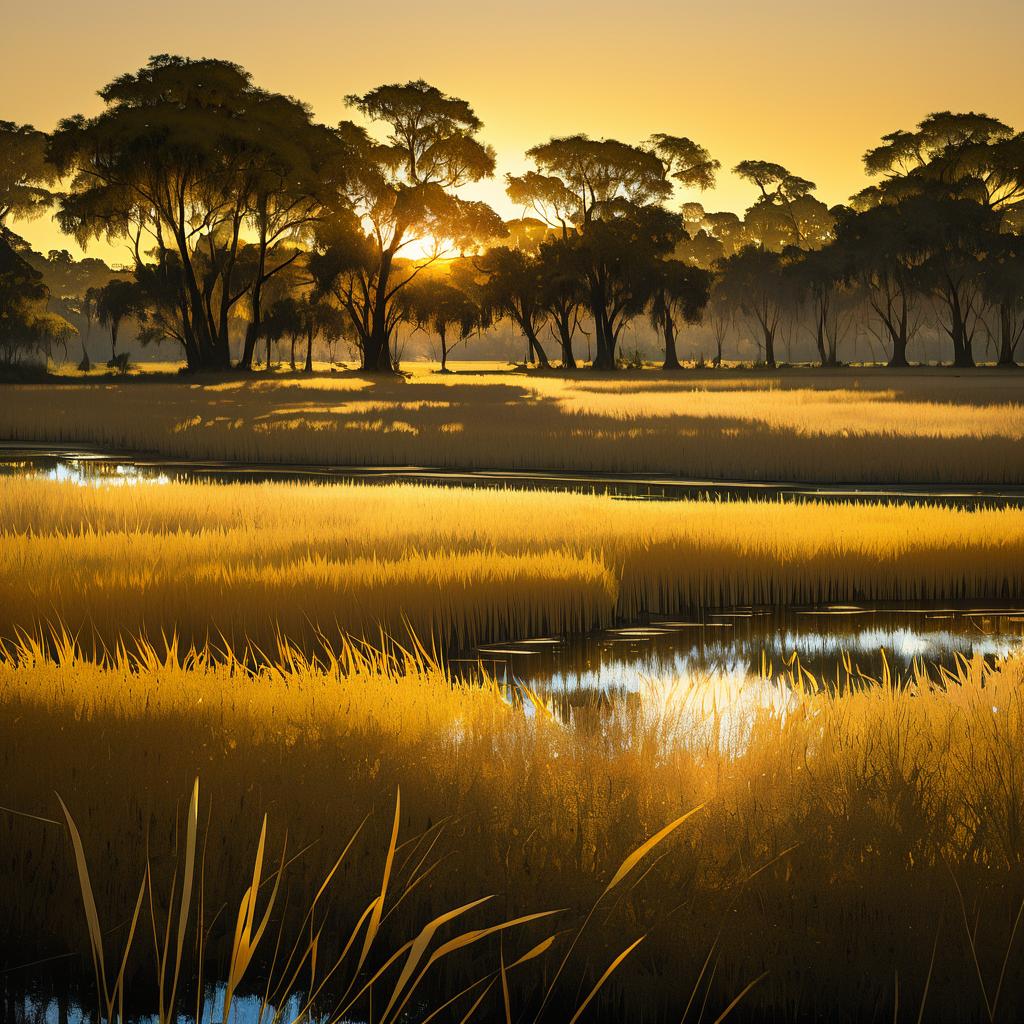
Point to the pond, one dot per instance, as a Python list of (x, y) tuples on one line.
[(87, 466), (875, 639)]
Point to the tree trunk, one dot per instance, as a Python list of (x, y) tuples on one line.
[(442, 334), (604, 346), (293, 353), (565, 338), (377, 348), (671, 358), (769, 348), (535, 346), (1007, 342), (899, 347), (309, 350), (113, 341)]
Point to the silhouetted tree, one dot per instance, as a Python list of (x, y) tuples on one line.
[(785, 213), (434, 304), (815, 277), (562, 293), (679, 294), (595, 187), (1003, 287), (752, 282), (404, 193), (950, 237), (186, 154), (25, 323), (876, 248), (974, 155), (116, 302), (511, 286)]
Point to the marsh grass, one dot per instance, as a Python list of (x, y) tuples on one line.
[(851, 844), (850, 426), (250, 563)]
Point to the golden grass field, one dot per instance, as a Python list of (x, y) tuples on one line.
[(860, 854), (249, 562), (915, 426), (855, 853)]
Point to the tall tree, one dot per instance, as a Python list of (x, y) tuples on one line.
[(25, 323), (592, 189), (562, 294), (433, 303), (785, 212), (877, 250), (752, 282), (404, 195), (816, 278), (975, 155), (116, 302), (185, 155), (510, 286), (1003, 287), (679, 294), (950, 237)]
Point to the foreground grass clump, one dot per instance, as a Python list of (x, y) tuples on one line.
[(859, 848), (914, 426), (248, 562)]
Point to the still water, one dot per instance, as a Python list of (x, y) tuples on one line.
[(733, 643), (98, 468)]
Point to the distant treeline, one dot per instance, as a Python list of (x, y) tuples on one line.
[(251, 223)]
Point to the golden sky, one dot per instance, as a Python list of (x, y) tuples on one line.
[(807, 84)]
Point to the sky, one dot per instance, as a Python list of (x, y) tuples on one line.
[(807, 84)]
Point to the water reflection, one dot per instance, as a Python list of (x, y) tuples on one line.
[(97, 468), (245, 1009), (733, 643)]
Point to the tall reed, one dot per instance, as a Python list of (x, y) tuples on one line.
[(247, 562), (846, 838)]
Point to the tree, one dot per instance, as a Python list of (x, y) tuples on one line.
[(116, 302), (785, 213), (404, 194), (949, 237), (752, 282), (434, 304), (87, 309), (1003, 287), (975, 155), (510, 286), (680, 294), (876, 249), (585, 186), (817, 274), (296, 169), (301, 318), (561, 293), (186, 154), (25, 323), (25, 175)]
